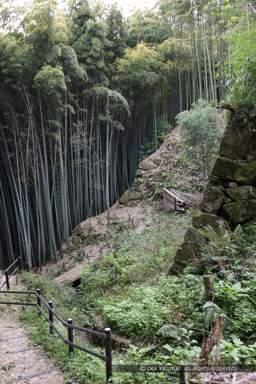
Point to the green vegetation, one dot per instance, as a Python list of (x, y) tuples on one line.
[(84, 95), (165, 318), (200, 132)]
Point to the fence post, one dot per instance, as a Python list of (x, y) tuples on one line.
[(50, 316), (108, 354), (20, 263), (182, 375), (7, 280), (70, 337), (38, 299)]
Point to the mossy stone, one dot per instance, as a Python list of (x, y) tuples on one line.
[(240, 211), (213, 199), (194, 236), (185, 252), (76, 240), (124, 199), (157, 161), (78, 231), (246, 192), (133, 204), (140, 173), (242, 172), (214, 179), (134, 195), (147, 164), (176, 268), (237, 141), (203, 219)]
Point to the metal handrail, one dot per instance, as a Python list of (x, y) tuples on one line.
[(18, 260), (86, 330), (69, 341)]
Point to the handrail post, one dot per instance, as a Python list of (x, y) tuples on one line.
[(38, 299), (20, 263), (7, 280), (50, 316), (182, 375), (70, 337), (108, 349)]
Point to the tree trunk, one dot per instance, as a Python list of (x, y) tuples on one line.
[(213, 338)]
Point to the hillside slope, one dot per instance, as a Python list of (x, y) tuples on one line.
[(134, 211)]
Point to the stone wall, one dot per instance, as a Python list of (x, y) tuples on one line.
[(230, 195)]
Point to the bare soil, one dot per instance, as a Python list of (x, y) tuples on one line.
[(16, 363), (134, 219)]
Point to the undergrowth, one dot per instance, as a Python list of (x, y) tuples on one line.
[(164, 318)]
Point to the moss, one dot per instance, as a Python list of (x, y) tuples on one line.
[(242, 172), (239, 212)]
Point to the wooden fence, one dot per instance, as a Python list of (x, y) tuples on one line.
[(16, 266)]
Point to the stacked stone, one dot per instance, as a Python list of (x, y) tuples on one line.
[(230, 195), (142, 191)]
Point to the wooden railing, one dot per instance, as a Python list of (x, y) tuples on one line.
[(106, 335)]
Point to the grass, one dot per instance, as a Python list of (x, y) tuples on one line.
[(165, 318)]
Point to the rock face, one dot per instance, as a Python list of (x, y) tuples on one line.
[(213, 199), (230, 195), (233, 170)]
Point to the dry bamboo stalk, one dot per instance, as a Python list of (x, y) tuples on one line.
[(213, 338)]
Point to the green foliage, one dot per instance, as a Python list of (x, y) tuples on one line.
[(139, 316), (51, 83), (134, 258), (81, 366), (200, 135), (138, 67), (129, 291), (240, 67), (162, 129), (235, 351)]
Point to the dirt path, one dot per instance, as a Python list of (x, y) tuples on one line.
[(233, 378), (21, 363)]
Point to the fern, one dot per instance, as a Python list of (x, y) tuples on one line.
[(211, 311)]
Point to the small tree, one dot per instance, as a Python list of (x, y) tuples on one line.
[(200, 135)]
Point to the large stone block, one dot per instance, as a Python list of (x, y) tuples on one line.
[(246, 192), (194, 236), (77, 240), (124, 199), (147, 164), (213, 199), (185, 252), (130, 195), (203, 219), (134, 195), (242, 172), (176, 268), (240, 211), (237, 141), (140, 173)]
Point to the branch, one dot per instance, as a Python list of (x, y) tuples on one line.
[(228, 107)]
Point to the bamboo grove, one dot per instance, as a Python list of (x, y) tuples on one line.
[(80, 92)]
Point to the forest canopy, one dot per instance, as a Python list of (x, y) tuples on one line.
[(82, 90)]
